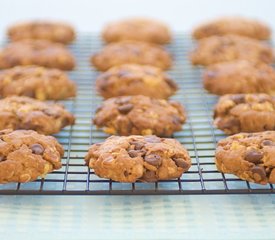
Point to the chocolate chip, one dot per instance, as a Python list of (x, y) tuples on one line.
[(171, 83), (124, 109), (126, 174), (133, 153), (259, 171), (181, 163), (2, 158), (153, 159), (37, 149), (176, 120), (138, 145), (149, 176), (268, 143), (210, 74), (152, 139), (123, 100), (123, 73), (253, 156), (238, 98)]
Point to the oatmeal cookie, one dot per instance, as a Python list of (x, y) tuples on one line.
[(236, 113), (26, 155), (134, 79), (239, 76), (36, 82), (46, 30), (137, 29), (138, 158), (233, 25), (250, 156), (36, 52), (27, 113), (140, 115), (226, 48), (143, 53)]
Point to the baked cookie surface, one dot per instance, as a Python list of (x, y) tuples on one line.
[(36, 82), (250, 156), (143, 53), (239, 76), (140, 115), (245, 113), (134, 79), (226, 48), (233, 25), (36, 52), (26, 155), (27, 113), (138, 158), (137, 29), (51, 31)]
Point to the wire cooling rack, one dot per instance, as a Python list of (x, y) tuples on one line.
[(198, 136)]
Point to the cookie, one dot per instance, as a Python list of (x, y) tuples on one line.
[(239, 76), (250, 156), (138, 158), (134, 79), (140, 115), (27, 113), (36, 52), (26, 155), (143, 53), (36, 82), (233, 25), (46, 30), (137, 29), (236, 113), (226, 48)]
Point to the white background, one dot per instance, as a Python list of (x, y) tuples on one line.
[(91, 15)]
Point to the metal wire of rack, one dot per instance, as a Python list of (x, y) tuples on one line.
[(198, 136)]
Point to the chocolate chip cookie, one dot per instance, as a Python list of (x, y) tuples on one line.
[(250, 156), (236, 113), (51, 31), (239, 76), (134, 79), (26, 155), (143, 53), (226, 48), (138, 158), (36, 82), (36, 52), (27, 113), (140, 115), (137, 29), (233, 25)]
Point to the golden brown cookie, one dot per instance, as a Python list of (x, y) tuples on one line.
[(36, 52), (143, 53), (140, 115), (138, 158), (239, 76), (137, 29), (236, 113), (226, 48), (134, 79), (233, 25), (26, 155), (45, 30), (36, 82), (27, 113), (250, 156)]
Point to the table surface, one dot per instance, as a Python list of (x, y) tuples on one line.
[(136, 217)]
